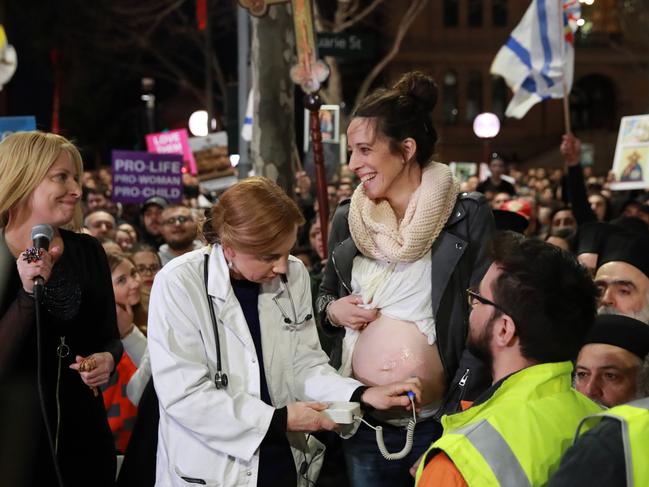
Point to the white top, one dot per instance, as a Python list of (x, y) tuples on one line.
[(400, 290)]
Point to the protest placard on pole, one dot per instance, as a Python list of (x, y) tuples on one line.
[(631, 162), (329, 116), (140, 175), (172, 142), (211, 155)]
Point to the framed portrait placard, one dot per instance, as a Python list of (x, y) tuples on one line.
[(329, 125), (631, 162)]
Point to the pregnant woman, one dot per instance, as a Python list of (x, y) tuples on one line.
[(402, 254)]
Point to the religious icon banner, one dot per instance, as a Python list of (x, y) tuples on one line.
[(631, 162)]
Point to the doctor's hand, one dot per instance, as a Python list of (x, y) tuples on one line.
[(305, 417), (347, 312), (393, 395)]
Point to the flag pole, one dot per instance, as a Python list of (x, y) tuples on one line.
[(566, 95)]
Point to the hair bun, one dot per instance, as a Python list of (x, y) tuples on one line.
[(419, 86)]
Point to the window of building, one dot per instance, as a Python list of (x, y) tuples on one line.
[(474, 104), (474, 13), (450, 95), (498, 96), (451, 13), (593, 103), (499, 13)]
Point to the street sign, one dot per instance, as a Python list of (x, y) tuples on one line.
[(347, 45)]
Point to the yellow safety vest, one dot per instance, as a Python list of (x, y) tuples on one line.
[(634, 421), (517, 437)]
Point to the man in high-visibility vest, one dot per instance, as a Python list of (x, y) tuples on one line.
[(615, 451), (529, 317)]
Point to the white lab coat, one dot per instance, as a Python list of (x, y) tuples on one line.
[(214, 435)]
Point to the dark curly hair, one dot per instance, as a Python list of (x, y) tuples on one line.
[(550, 297), (403, 111)]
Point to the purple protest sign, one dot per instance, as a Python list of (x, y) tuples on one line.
[(140, 175)]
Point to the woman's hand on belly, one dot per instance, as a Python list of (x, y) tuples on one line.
[(347, 312), (391, 350), (393, 395)]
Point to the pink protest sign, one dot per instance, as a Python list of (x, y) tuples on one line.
[(172, 142)]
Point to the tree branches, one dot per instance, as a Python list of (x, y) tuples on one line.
[(415, 7)]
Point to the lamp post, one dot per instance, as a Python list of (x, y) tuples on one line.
[(148, 85), (486, 126)]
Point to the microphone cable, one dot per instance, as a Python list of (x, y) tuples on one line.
[(38, 294)]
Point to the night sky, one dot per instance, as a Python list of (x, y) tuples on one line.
[(102, 54)]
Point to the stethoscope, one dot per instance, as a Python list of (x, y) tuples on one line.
[(220, 378), (291, 324)]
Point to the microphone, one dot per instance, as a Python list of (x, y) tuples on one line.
[(41, 237)]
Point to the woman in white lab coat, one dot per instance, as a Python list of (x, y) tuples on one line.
[(250, 431)]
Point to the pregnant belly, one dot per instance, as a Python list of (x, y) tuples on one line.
[(390, 350)]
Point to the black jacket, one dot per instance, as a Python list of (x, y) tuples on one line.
[(597, 458), (459, 260), (79, 306)]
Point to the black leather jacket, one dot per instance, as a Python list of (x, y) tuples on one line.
[(459, 260)]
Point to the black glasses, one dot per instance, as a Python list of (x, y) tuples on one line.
[(178, 219), (147, 269), (473, 296)]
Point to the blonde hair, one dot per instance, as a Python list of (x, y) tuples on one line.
[(253, 215), (25, 159)]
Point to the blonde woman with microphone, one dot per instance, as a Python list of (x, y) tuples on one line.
[(58, 346)]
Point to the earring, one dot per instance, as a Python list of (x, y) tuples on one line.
[(230, 265)]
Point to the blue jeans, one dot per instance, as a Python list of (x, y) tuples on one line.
[(367, 467)]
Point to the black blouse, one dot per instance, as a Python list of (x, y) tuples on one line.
[(78, 311)]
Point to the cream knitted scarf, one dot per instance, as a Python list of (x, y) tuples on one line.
[(376, 231)]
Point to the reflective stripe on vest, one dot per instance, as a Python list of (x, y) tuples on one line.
[(496, 452), (625, 415), (517, 436)]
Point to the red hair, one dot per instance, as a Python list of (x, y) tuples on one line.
[(253, 215)]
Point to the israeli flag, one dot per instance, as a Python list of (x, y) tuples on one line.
[(246, 128), (539, 54)]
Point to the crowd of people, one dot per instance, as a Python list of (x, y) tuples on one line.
[(485, 325)]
